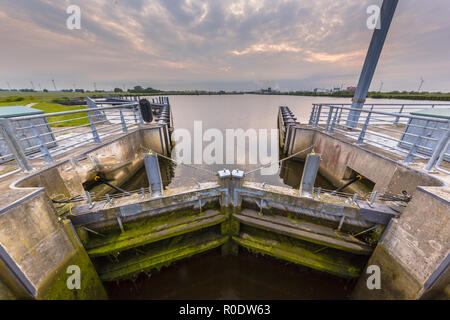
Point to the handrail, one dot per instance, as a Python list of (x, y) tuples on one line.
[(392, 114), (35, 139), (423, 137), (55, 114)]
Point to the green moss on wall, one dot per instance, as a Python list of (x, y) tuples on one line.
[(91, 286)]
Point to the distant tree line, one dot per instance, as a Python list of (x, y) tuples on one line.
[(138, 89)]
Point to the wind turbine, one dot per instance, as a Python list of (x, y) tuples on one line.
[(8, 85), (381, 86), (421, 84), (54, 85), (32, 85)]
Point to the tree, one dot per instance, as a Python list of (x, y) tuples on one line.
[(118, 90), (139, 89)]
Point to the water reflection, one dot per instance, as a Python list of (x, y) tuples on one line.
[(246, 276)]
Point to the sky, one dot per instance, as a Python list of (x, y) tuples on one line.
[(215, 45)]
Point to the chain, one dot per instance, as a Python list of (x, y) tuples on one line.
[(180, 163), (279, 161)]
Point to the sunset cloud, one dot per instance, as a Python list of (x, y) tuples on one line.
[(227, 44)]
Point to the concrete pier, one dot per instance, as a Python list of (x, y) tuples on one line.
[(40, 248), (118, 237), (413, 253)]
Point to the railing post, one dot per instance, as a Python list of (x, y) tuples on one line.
[(47, 156), (95, 135), (318, 116), (340, 114), (14, 145), (333, 124), (438, 149), (410, 157), (364, 129), (134, 114), (330, 113), (124, 124), (397, 119), (141, 120), (311, 117)]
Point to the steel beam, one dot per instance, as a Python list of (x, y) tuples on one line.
[(373, 54)]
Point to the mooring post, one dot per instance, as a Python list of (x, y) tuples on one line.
[(153, 174), (310, 170), (225, 181), (237, 179)]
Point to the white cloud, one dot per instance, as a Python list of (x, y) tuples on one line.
[(227, 40)]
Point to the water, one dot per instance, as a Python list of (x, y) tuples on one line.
[(214, 277), (246, 276), (233, 112), (244, 112)]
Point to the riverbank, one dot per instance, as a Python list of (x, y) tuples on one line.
[(373, 95)]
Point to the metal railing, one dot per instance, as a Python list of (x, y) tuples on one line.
[(389, 127), (45, 136)]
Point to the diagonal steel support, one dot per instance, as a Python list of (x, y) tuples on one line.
[(373, 54)]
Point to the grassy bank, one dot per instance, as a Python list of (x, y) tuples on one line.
[(41, 102), (53, 107)]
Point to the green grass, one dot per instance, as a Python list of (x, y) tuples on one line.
[(48, 107), (54, 107)]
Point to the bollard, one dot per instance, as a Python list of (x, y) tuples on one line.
[(224, 182), (309, 175), (153, 174)]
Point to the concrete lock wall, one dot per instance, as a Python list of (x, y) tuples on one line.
[(414, 252), (38, 245), (38, 248), (117, 161), (339, 156)]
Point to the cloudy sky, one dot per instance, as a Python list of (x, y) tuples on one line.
[(220, 44)]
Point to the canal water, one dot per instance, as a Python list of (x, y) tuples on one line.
[(212, 276), (246, 276)]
